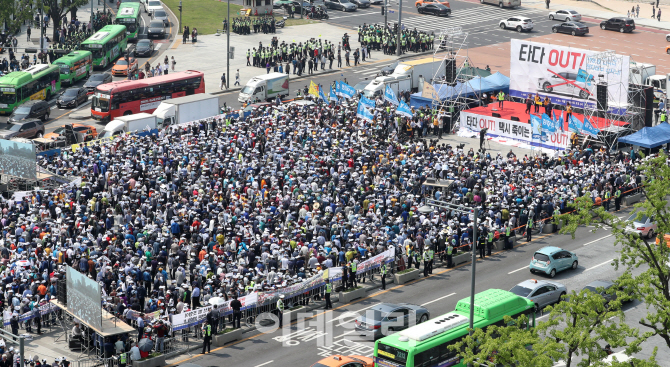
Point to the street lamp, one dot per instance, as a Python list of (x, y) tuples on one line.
[(428, 208)]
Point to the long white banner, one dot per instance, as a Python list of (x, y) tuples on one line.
[(515, 130)]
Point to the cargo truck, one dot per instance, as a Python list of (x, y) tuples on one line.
[(129, 124), (407, 76), (265, 88), (186, 109)]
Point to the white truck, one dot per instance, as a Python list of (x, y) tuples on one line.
[(265, 88), (645, 74), (408, 75), (129, 124), (185, 109)]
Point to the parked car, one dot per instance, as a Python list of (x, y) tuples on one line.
[(96, 80), (565, 15), (642, 225), (567, 83), (154, 5), (32, 128), (36, 109), (620, 24), (72, 97), (344, 5), (362, 4), (423, 2), (541, 292), (550, 260), (345, 361), (602, 287), (124, 66), (89, 132), (435, 9), (383, 318), (573, 28), (156, 29), (161, 14), (519, 23), (144, 47)]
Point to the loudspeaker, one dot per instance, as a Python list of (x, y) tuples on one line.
[(495, 114), (450, 72), (648, 106), (601, 94), (446, 123), (61, 291), (514, 118)]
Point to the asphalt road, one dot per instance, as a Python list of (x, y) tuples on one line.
[(331, 332)]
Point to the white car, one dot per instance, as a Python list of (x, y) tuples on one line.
[(153, 6), (519, 23), (667, 37), (565, 16)]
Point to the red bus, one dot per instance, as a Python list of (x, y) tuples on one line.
[(127, 97)]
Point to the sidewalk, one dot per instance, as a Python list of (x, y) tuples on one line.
[(605, 9)]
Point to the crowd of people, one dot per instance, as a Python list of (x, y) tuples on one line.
[(226, 206), (247, 25), (378, 37)]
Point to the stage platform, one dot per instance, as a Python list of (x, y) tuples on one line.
[(519, 110), (110, 324)]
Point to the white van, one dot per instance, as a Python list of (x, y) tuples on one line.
[(503, 3)]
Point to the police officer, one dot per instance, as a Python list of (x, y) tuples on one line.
[(426, 261), (501, 99), (207, 343), (329, 290), (280, 310), (354, 267), (617, 199), (382, 272), (122, 359), (489, 243), (450, 251), (529, 228), (606, 202), (481, 246), (431, 254), (506, 237)]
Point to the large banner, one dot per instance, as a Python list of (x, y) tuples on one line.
[(515, 130), (567, 74), (84, 298), (17, 159)]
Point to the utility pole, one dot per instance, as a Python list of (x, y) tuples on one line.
[(399, 28), (180, 26), (386, 13), (42, 35), (227, 48), (472, 275), (92, 11)]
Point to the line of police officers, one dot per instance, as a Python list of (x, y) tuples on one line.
[(286, 51), (378, 37), (245, 25)]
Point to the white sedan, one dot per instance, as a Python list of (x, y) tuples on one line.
[(565, 15), (153, 6), (519, 23)]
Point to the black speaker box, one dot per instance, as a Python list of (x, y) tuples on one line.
[(494, 114), (514, 118), (601, 94)]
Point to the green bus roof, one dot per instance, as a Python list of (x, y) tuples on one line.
[(105, 34), (19, 78), (490, 307), (128, 10), (72, 57)]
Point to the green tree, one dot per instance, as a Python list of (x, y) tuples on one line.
[(56, 9), (652, 285), (14, 14)]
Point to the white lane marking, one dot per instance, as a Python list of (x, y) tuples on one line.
[(601, 238), (350, 313), (263, 364), (435, 300), (541, 317), (514, 271), (606, 262)]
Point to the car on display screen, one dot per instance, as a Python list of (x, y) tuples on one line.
[(385, 318), (32, 128), (345, 361), (565, 15), (620, 24), (550, 260), (96, 80), (154, 5), (601, 287), (520, 24), (541, 292), (567, 83), (344, 5), (156, 29), (435, 9), (573, 28), (641, 224), (161, 14), (36, 109), (144, 47), (72, 97), (424, 2)]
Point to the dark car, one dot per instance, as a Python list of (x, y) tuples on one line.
[(362, 3), (435, 9), (602, 287), (32, 128), (72, 97), (144, 47), (620, 24), (156, 29), (36, 109), (96, 80), (573, 28)]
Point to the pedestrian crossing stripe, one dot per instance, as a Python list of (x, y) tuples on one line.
[(464, 18)]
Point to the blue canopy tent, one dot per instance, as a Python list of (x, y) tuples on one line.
[(470, 88), (649, 137)]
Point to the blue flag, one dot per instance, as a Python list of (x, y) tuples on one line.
[(338, 88), (535, 127), (389, 96), (367, 102), (583, 76), (346, 90), (403, 110), (332, 96), (548, 124), (589, 129), (559, 121), (575, 125), (363, 113), (322, 96)]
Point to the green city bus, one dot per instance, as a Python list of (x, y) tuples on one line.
[(426, 344), (106, 44), (40, 81), (129, 15), (74, 66)]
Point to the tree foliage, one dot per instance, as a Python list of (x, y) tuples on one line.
[(15, 13), (56, 9)]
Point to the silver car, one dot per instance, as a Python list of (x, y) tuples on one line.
[(641, 224), (161, 14), (344, 5), (387, 318), (542, 292), (565, 15)]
